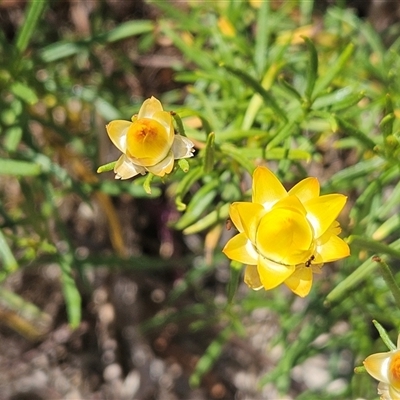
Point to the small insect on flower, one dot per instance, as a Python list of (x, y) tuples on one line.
[(148, 142), (285, 237)]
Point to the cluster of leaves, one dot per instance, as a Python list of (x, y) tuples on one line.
[(309, 95)]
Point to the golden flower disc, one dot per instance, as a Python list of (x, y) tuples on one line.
[(284, 236), (147, 141), (394, 370)]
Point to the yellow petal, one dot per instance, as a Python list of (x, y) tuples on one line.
[(377, 365), (165, 119), (322, 211), (240, 249), (291, 203), (249, 215), (393, 393), (147, 142), (284, 236), (333, 249), (235, 217), (117, 131), (306, 189), (125, 169), (272, 274), (182, 147), (149, 108), (267, 189), (300, 281), (251, 277), (163, 167)]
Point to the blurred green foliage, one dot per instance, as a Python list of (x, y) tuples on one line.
[(309, 94)]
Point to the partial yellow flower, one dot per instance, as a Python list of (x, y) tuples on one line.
[(285, 237), (148, 142), (385, 367)]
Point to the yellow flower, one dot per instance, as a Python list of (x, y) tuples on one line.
[(285, 236), (385, 367), (148, 142)]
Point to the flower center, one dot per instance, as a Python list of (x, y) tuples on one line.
[(147, 141), (284, 236), (394, 370)]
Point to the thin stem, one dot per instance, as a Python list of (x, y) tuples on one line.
[(389, 279)]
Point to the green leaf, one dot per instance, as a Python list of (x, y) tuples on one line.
[(106, 167), (312, 70), (24, 92), (12, 138), (209, 153), (71, 293), (9, 263), (350, 130), (337, 65), (373, 246), (185, 184), (59, 50), (384, 336), (210, 356), (233, 284), (232, 151), (250, 81), (218, 215), (33, 12), (147, 183), (198, 204), (19, 168), (262, 36)]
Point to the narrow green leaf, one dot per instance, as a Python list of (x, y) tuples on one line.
[(106, 167), (337, 65), (183, 165), (198, 204), (290, 89), (24, 92), (354, 279), (209, 153), (235, 275), (17, 167), (373, 246), (12, 138), (33, 12), (384, 336), (350, 130), (262, 37), (8, 261), (210, 356), (386, 125), (232, 151), (147, 183), (218, 215), (125, 30), (71, 293), (250, 81), (179, 124), (63, 49), (286, 131), (312, 69), (185, 184)]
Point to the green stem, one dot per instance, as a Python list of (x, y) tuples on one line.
[(389, 279)]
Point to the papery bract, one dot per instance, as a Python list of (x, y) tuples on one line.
[(285, 237), (148, 142), (385, 367)]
